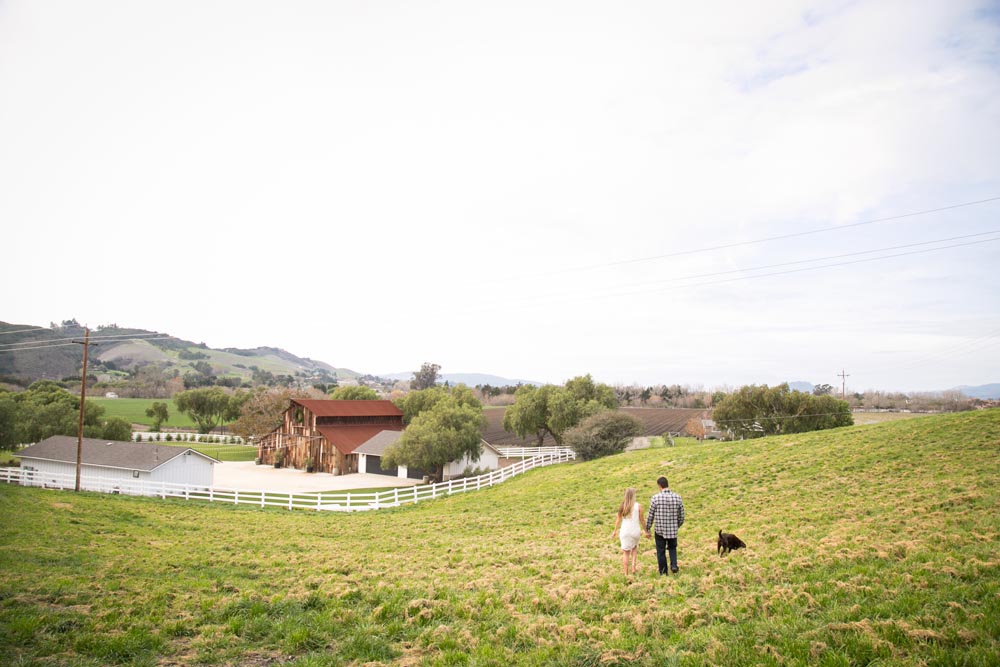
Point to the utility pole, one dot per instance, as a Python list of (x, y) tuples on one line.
[(843, 384), (83, 398)]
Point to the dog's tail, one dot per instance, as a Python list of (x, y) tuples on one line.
[(720, 533)]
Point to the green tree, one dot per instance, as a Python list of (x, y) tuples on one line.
[(261, 411), (355, 393), (158, 413), (553, 410), (603, 434), (112, 428), (426, 377), (210, 406), (416, 402), (8, 421), (758, 410), (45, 409), (444, 433)]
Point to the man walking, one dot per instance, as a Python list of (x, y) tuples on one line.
[(666, 510)]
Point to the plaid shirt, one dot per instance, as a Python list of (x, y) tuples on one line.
[(667, 509)]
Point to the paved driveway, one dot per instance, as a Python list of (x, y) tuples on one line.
[(252, 477)]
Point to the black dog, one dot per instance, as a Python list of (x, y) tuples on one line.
[(729, 542)]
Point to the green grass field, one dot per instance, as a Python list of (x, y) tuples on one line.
[(219, 452), (134, 410), (866, 545)]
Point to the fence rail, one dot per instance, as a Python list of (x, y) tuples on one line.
[(349, 501), (528, 452), (188, 437)]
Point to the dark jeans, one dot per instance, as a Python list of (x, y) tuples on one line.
[(664, 544)]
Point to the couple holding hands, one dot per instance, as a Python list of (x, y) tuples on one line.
[(666, 512)]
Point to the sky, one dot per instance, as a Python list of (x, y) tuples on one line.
[(712, 193)]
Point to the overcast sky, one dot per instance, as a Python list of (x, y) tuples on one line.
[(517, 188)]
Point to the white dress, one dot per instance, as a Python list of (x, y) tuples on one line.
[(630, 531)]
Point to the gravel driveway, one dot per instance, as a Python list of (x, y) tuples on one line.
[(252, 477)]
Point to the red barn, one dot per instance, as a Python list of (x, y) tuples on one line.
[(322, 435)]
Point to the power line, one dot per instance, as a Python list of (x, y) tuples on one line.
[(609, 292), (46, 344), (37, 347), (766, 239), (824, 266), (963, 348), (776, 417), (149, 336), (22, 330), (814, 259)]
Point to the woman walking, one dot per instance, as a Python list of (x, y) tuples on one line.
[(628, 528)]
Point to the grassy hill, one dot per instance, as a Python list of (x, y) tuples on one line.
[(113, 348), (870, 544)]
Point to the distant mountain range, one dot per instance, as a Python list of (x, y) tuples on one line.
[(36, 353), (468, 379), (983, 391)]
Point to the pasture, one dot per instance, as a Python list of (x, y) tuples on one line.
[(134, 410), (219, 452), (866, 545)]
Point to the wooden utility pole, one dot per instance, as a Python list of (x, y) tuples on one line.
[(843, 384), (83, 398)]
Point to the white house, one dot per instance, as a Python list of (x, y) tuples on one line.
[(370, 458), (134, 467)]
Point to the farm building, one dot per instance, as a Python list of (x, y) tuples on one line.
[(322, 435), (53, 459), (370, 459)]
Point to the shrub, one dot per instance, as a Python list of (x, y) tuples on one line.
[(603, 434), (169, 438)]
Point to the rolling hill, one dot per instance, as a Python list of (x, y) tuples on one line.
[(122, 348), (867, 544)]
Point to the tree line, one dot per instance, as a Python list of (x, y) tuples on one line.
[(45, 409)]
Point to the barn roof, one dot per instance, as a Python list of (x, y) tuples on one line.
[(327, 408), (348, 437), (106, 453)]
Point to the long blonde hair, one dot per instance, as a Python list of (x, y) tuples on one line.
[(628, 502)]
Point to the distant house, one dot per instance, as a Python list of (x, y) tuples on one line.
[(112, 460), (711, 430), (323, 434), (110, 394), (370, 459)]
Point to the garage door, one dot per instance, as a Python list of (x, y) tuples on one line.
[(374, 466)]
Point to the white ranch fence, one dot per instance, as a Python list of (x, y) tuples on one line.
[(528, 452), (349, 501), (186, 436)]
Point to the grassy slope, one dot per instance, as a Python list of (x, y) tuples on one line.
[(866, 544), (134, 410)]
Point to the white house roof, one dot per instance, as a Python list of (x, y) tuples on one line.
[(377, 445), (106, 453)]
